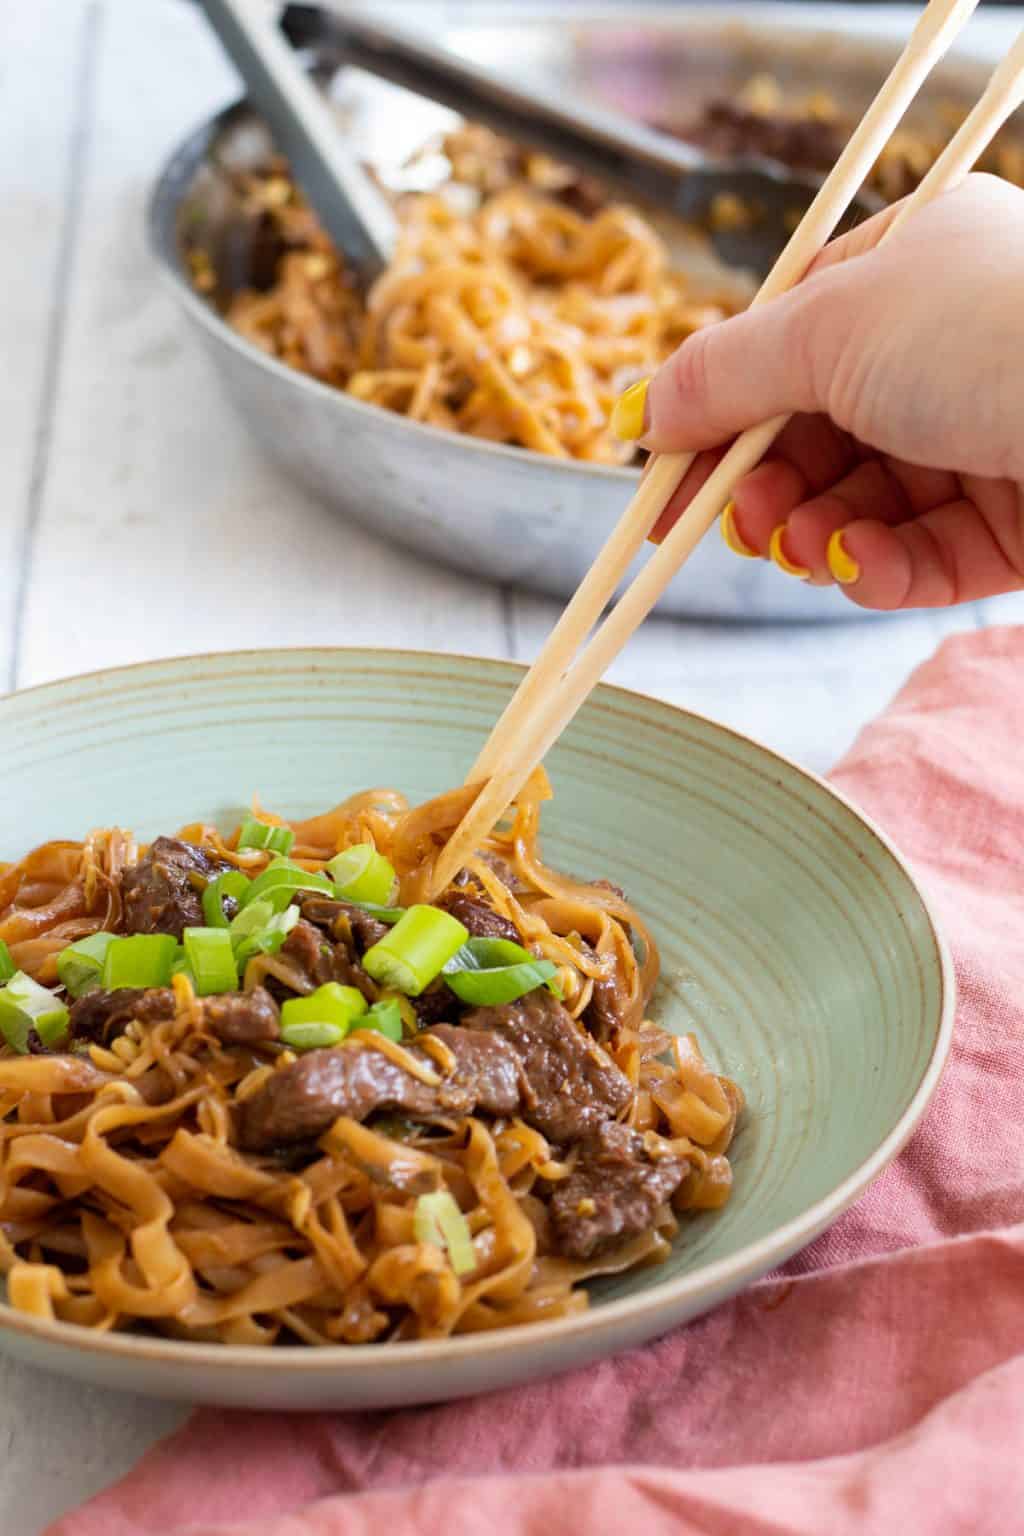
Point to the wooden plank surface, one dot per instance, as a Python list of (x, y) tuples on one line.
[(141, 520), (188, 540), (43, 135)]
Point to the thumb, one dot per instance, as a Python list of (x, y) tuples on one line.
[(776, 358)]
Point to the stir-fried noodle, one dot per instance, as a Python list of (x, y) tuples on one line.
[(172, 1162)]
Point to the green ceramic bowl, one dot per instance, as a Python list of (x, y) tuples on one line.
[(794, 941)]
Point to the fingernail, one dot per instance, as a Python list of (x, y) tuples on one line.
[(730, 534), (841, 563), (629, 414), (778, 554)]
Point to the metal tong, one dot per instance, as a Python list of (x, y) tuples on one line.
[(630, 159), (626, 157)]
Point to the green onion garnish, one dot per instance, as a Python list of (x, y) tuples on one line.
[(389, 915), (232, 883), (258, 834), (281, 881), (438, 1220), (331, 1004), (7, 965), (211, 959), (80, 966), (142, 960), (251, 918), (181, 967), (314, 1036), (487, 972), (415, 950), (385, 1017), (362, 874), (267, 938), (25, 1005)]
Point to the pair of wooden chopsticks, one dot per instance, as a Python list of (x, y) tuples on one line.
[(557, 684)]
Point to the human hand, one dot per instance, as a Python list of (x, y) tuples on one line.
[(901, 475)]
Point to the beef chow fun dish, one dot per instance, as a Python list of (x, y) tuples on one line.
[(517, 307), (275, 1088), (521, 299)]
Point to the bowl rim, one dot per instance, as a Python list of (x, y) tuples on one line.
[(726, 1274), (164, 200)]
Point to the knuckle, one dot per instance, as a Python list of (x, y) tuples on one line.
[(688, 374), (833, 357)]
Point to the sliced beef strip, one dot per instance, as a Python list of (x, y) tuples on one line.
[(438, 1004), (479, 917), (570, 1084), (301, 1101), (307, 948), (242, 1018), (486, 1069), (236, 1018), (804, 143), (366, 929), (101, 1016), (162, 893), (504, 871), (604, 1014), (319, 960), (613, 1192)]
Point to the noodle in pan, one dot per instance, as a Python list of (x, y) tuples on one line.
[(521, 301), (517, 307), (347, 1138)]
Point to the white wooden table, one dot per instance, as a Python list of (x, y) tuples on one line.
[(138, 519)]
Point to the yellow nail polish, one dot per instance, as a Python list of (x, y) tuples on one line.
[(730, 533), (780, 557), (841, 563), (628, 412)]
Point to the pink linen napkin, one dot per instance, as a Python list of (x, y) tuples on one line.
[(875, 1384)]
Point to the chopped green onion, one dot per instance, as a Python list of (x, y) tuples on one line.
[(259, 834), (142, 960), (211, 959), (80, 966), (362, 874), (415, 950), (281, 881), (438, 1220), (330, 1004), (266, 940), (251, 918), (487, 972), (181, 967), (7, 965), (25, 1005), (486, 955), (389, 915), (314, 1036), (232, 883), (52, 1028), (385, 1017), (503, 985), (14, 1026)]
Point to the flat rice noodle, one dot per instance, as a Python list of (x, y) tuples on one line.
[(123, 1198)]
